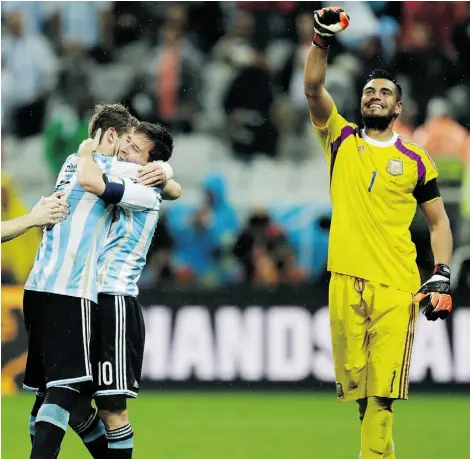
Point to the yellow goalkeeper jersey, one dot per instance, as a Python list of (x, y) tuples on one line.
[(371, 187)]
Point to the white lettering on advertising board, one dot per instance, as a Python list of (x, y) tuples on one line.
[(280, 344)]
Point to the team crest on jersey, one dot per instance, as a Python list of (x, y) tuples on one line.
[(395, 167), (361, 149)]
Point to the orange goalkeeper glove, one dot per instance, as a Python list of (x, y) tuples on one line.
[(328, 22), (434, 294)]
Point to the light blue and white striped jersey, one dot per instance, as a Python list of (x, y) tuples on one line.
[(67, 259), (123, 258)]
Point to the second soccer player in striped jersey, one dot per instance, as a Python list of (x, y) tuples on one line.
[(120, 349)]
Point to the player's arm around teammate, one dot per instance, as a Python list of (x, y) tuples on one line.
[(92, 179), (49, 210), (159, 174)]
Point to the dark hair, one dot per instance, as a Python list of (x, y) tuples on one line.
[(160, 138), (111, 116), (384, 74)]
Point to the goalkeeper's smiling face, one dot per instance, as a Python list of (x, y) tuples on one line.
[(379, 104)]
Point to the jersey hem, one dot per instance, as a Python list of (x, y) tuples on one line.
[(63, 293)]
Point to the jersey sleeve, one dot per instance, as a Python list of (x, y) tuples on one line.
[(427, 189), (331, 132), (139, 197), (430, 168)]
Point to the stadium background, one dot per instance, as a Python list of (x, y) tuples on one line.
[(235, 286)]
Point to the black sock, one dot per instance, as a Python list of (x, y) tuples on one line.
[(52, 420), (120, 442), (40, 397), (92, 433)]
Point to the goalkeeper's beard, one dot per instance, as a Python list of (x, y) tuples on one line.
[(378, 123)]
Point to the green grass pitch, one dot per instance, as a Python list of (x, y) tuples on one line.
[(190, 425)]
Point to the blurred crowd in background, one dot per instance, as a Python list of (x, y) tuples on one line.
[(227, 78)]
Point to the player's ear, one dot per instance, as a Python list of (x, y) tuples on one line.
[(398, 108), (111, 135)]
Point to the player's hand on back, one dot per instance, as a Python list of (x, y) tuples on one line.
[(49, 210), (88, 146), (155, 174), (434, 295), (329, 21)]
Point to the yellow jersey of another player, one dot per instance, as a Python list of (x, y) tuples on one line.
[(373, 186)]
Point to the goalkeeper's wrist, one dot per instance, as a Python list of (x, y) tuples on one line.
[(320, 41), (442, 269)]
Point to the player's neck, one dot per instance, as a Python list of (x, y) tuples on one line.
[(379, 135), (105, 149)]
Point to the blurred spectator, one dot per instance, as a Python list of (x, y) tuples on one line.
[(65, 130), (89, 25), (428, 68), (175, 72), (264, 252), (205, 235), (236, 47), (248, 106), (447, 142), (370, 57), (31, 62), (440, 16), (130, 22), (270, 17), (17, 255), (76, 74), (291, 78), (35, 15), (461, 41), (159, 256), (206, 23)]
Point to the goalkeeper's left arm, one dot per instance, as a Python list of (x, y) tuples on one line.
[(434, 295)]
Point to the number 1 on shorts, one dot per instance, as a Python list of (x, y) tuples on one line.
[(374, 174)]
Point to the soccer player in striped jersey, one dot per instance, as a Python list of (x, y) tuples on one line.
[(121, 326), (376, 180), (60, 297)]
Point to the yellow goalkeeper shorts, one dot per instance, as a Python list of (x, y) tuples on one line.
[(372, 328)]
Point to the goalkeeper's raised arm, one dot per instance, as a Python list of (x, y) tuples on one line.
[(328, 22)]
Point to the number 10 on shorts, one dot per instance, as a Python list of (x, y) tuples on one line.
[(105, 373)]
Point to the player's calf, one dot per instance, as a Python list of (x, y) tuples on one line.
[(119, 433), (86, 423), (389, 448), (40, 397), (52, 420), (376, 427)]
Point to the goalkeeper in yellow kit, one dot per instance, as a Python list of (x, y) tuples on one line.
[(376, 181)]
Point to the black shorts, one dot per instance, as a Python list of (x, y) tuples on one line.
[(120, 346), (59, 339)]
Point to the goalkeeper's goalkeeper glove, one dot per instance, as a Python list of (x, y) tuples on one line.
[(328, 22), (434, 294)]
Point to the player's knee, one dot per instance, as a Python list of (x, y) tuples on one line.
[(81, 411), (113, 411), (362, 402), (66, 397), (383, 403)]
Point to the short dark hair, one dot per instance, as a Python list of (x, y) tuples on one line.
[(111, 116), (384, 74), (161, 139)]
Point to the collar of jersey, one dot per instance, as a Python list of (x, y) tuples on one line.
[(379, 143)]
